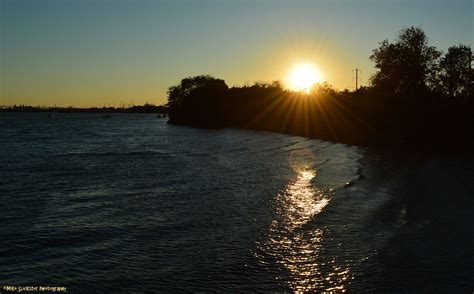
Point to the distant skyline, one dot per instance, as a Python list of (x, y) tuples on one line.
[(94, 53)]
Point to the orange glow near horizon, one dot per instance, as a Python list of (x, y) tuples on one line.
[(303, 77)]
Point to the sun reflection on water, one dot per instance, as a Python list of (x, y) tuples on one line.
[(294, 245), (300, 201)]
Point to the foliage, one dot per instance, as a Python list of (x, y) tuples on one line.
[(456, 74), (196, 99), (405, 67)]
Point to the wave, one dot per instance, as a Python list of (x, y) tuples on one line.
[(113, 154)]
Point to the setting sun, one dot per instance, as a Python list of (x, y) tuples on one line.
[(303, 76)]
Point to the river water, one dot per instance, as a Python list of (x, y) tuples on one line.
[(132, 204)]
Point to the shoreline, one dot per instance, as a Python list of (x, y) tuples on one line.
[(393, 147), (134, 109)]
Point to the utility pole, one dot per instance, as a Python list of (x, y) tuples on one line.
[(469, 75), (356, 77)]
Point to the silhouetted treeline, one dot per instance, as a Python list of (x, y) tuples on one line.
[(146, 108), (418, 98)]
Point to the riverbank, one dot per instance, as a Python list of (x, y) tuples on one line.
[(419, 121), (419, 142)]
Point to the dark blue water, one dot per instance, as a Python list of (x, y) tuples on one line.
[(132, 204)]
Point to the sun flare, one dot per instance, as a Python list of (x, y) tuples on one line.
[(303, 76)]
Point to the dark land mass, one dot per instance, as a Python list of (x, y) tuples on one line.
[(419, 101), (359, 118)]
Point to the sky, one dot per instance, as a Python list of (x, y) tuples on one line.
[(112, 52)]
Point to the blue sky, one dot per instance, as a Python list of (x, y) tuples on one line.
[(85, 53)]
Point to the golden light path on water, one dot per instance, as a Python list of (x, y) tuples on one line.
[(294, 245)]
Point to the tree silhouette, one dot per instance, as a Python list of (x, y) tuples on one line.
[(405, 67), (196, 100), (456, 75)]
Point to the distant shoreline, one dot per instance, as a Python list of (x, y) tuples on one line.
[(147, 108)]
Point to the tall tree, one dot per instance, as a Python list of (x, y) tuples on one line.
[(405, 67), (455, 71), (194, 97)]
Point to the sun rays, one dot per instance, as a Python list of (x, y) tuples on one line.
[(303, 77)]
